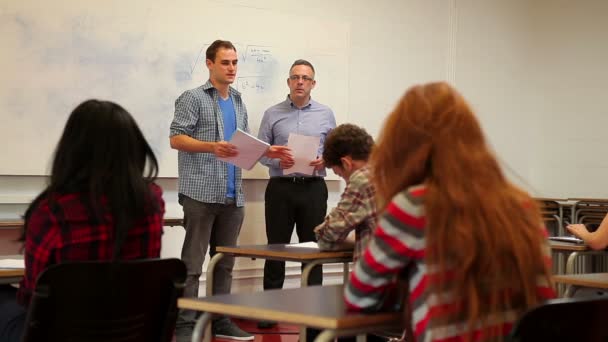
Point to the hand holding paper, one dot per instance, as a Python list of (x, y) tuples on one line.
[(280, 152), (304, 149), (224, 149), (318, 164), (249, 150)]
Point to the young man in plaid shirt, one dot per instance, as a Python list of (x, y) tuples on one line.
[(346, 151)]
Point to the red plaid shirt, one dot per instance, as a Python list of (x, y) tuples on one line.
[(83, 238)]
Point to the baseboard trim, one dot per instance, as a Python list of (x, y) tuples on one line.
[(251, 279)]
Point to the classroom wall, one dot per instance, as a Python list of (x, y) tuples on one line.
[(570, 74), (516, 61), (492, 50)]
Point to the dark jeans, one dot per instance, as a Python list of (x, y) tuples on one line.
[(12, 315), (207, 225), (289, 202)]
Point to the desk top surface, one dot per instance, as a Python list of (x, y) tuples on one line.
[(18, 224), (11, 224), (589, 279), (566, 246), (287, 252), (315, 306), (11, 275), (11, 272)]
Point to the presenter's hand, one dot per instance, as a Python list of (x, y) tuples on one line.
[(286, 164), (281, 152), (578, 230), (224, 149), (318, 164)]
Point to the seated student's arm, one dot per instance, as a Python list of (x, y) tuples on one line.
[(41, 239), (355, 206), (393, 246), (595, 240)]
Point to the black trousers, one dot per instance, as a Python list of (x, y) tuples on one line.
[(292, 201)]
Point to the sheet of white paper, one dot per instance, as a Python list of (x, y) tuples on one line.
[(250, 148), (310, 244), (304, 149), (12, 263)]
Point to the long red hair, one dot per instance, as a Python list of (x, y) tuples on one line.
[(483, 234)]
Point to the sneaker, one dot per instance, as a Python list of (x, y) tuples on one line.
[(266, 324), (225, 328)]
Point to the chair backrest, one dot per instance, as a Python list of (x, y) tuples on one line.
[(106, 301), (566, 319)]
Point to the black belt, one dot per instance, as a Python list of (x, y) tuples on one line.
[(298, 179)]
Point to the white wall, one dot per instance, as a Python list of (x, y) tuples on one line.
[(571, 53), (492, 65), (531, 70)]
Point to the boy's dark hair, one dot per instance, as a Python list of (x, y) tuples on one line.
[(347, 140), (216, 45)]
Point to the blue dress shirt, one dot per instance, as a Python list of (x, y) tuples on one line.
[(314, 119)]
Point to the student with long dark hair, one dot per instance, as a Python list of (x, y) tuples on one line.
[(470, 244), (101, 203)]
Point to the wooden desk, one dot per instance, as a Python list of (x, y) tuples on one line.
[(573, 250), (320, 307), (11, 275), (11, 224), (18, 224), (282, 252), (575, 281)]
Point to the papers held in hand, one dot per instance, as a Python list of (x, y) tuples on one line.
[(570, 239), (304, 149), (250, 150)]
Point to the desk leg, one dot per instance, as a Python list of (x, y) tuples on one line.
[(329, 335), (307, 269), (326, 335), (361, 338), (570, 262), (304, 283), (211, 271), (202, 328), (345, 273), (570, 291)]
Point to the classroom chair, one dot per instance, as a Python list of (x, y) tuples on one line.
[(564, 319), (98, 301)]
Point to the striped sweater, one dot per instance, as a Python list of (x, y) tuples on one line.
[(397, 247)]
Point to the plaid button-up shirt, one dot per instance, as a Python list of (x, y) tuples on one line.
[(355, 211), (197, 114), (69, 232)]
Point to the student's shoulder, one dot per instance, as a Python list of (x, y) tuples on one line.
[(361, 178), (156, 189), (411, 199), (44, 211)]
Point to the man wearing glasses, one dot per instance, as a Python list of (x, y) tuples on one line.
[(294, 198)]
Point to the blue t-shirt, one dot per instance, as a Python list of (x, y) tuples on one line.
[(227, 108)]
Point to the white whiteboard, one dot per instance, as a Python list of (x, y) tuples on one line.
[(143, 55)]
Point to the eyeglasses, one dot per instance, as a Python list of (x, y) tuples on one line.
[(298, 77)]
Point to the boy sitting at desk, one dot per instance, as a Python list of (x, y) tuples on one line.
[(346, 150)]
